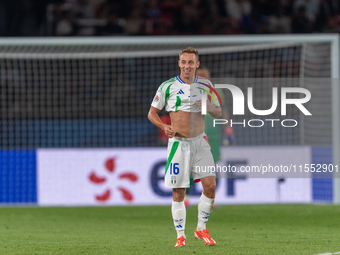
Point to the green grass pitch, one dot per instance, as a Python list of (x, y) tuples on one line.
[(237, 229)]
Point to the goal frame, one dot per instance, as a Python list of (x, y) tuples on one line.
[(333, 39)]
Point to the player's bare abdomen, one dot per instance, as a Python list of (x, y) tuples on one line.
[(186, 124)]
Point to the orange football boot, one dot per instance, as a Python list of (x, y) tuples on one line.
[(204, 236), (181, 241)]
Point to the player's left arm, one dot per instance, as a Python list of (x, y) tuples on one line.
[(214, 111)]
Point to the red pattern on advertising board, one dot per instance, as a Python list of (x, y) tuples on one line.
[(110, 165)]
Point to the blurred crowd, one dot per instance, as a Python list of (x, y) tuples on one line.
[(167, 17)]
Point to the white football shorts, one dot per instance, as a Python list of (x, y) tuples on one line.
[(188, 156)]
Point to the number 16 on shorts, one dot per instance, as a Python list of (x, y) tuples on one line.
[(174, 168)]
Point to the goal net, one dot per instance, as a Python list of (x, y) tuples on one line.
[(87, 92)]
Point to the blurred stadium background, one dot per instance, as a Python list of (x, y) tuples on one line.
[(73, 125), (166, 17)]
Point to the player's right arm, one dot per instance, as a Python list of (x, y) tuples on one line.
[(156, 106), (154, 118)]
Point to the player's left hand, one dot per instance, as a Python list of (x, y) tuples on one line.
[(199, 105)]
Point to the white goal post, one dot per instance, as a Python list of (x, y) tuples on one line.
[(175, 42)]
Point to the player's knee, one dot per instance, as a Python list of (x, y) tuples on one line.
[(210, 187), (178, 194), (213, 187)]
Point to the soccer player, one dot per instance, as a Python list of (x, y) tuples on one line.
[(188, 147)]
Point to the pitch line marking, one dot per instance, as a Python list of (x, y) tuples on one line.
[(329, 253)]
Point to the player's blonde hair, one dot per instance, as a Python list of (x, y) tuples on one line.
[(189, 49)]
